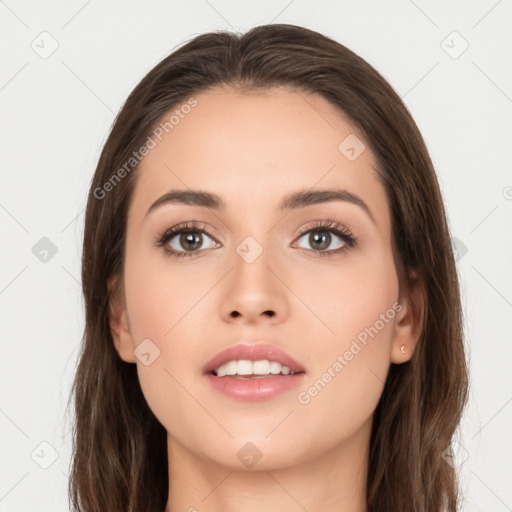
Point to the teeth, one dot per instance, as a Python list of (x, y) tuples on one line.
[(227, 369), (245, 367), (261, 367), (274, 368)]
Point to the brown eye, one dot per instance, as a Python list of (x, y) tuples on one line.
[(322, 240), (328, 237), (186, 240), (190, 241)]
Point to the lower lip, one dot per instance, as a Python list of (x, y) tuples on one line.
[(255, 389)]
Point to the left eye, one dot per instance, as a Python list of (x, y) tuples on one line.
[(321, 239)]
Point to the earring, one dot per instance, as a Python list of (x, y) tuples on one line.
[(402, 349)]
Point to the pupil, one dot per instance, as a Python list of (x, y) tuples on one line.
[(324, 240), (187, 240)]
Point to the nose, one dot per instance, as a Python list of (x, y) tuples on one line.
[(254, 291)]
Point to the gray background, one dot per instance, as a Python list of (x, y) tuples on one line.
[(67, 67)]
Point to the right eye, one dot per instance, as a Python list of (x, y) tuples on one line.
[(185, 240)]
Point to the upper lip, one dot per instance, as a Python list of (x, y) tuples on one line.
[(252, 352)]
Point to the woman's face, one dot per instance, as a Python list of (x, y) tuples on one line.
[(246, 274)]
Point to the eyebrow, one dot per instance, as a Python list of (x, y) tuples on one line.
[(293, 201)]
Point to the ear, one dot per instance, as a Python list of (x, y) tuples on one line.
[(118, 320), (409, 320)]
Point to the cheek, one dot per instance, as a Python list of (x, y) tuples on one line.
[(165, 305), (161, 306), (349, 294), (357, 305), (161, 294)]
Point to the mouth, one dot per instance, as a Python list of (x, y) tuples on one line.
[(253, 372)]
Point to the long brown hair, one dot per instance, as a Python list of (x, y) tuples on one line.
[(119, 448)]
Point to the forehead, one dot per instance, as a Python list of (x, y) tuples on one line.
[(254, 148)]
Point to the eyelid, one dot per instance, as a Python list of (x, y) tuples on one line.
[(328, 224), (189, 225)]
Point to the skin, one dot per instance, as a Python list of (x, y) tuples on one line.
[(252, 149)]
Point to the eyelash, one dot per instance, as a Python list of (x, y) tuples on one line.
[(327, 225)]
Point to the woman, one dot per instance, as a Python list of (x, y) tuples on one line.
[(273, 318)]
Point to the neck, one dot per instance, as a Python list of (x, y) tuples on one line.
[(332, 481)]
